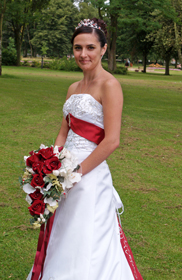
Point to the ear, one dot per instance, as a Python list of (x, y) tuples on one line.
[(104, 49)]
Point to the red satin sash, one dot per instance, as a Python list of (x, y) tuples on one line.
[(41, 249), (85, 129)]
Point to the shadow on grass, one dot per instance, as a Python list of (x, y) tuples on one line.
[(7, 76)]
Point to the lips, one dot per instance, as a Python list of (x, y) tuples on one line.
[(84, 61)]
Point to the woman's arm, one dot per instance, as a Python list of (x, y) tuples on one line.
[(61, 138), (112, 101)]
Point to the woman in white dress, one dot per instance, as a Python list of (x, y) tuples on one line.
[(86, 241)]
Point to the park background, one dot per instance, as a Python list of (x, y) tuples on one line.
[(146, 168)]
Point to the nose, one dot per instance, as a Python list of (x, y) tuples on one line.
[(83, 53)]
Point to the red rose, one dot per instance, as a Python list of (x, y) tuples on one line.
[(32, 153), (60, 149), (32, 159), (37, 166), (51, 164), (36, 195), (46, 153), (37, 180), (37, 207)]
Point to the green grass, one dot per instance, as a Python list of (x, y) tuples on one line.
[(146, 168)]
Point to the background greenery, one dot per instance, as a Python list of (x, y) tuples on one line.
[(146, 168), (138, 30)]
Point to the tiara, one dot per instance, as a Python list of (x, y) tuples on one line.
[(89, 23)]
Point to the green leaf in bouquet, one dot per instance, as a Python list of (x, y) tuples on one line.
[(33, 219), (47, 193), (36, 151), (47, 180), (20, 181)]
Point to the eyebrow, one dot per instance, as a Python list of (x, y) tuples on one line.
[(89, 45)]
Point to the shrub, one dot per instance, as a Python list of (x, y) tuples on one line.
[(35, 63), (122, 70), (25, 63), (9, 56), (64, 64)]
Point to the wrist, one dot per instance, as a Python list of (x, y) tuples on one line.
[(78, 169)]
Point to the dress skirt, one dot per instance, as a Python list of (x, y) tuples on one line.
[(85, 238)]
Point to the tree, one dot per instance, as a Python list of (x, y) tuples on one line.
[(109, 11), (177, 5), (19, 14), (87, 10), (3, 5), (164, 39), (55, 28), (136, 21)]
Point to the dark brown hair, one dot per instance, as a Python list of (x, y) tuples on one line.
[(102, 35)]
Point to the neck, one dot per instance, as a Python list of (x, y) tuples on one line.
[(91, 74)]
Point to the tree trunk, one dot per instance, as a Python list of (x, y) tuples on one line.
[(112, 36), (178, 43), (19, 32), (29, 42), (167, 65), (18, 45), (144, 63), (1, 24), (3, 9)]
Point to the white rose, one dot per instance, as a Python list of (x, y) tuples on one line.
[(56, 172)]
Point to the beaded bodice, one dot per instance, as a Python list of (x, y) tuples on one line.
[(83, 106)]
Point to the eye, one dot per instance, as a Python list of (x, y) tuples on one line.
[(77, 48), (91, 48)]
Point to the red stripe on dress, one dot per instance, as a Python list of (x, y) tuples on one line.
[(128, 254)]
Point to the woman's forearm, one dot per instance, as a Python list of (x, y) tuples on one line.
[(101, 153)]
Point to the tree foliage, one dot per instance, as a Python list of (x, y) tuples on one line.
[(55, 28), (19, 14)]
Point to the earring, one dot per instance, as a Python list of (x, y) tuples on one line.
[(101, 57)]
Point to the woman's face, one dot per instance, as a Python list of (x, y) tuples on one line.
[(87, 51)]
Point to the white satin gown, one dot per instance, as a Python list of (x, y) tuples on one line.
[(85, 238)]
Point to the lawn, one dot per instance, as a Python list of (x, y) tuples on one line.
[(146, 168)]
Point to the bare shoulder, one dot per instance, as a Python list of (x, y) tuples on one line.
[(72, 88), (111, 88)]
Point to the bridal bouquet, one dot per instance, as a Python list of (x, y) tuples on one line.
[(47, 178)]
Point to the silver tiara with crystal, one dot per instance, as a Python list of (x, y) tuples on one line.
[(89, 23)]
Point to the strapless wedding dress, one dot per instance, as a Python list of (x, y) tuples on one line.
[(85, 238)]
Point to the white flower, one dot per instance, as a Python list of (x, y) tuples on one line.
[(56, 172), (46, 212), (65, 153), (42, 146), (28, 199), (25, 158), (28, 188), (50, 201), (36, 225), (46, 188), (43, 220), (70, 179), (41, 216), (30, 170), (38, 219), (52, 208)]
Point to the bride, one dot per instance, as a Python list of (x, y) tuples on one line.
[(86, 241)]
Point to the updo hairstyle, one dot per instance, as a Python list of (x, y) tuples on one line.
[(87, 29)]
